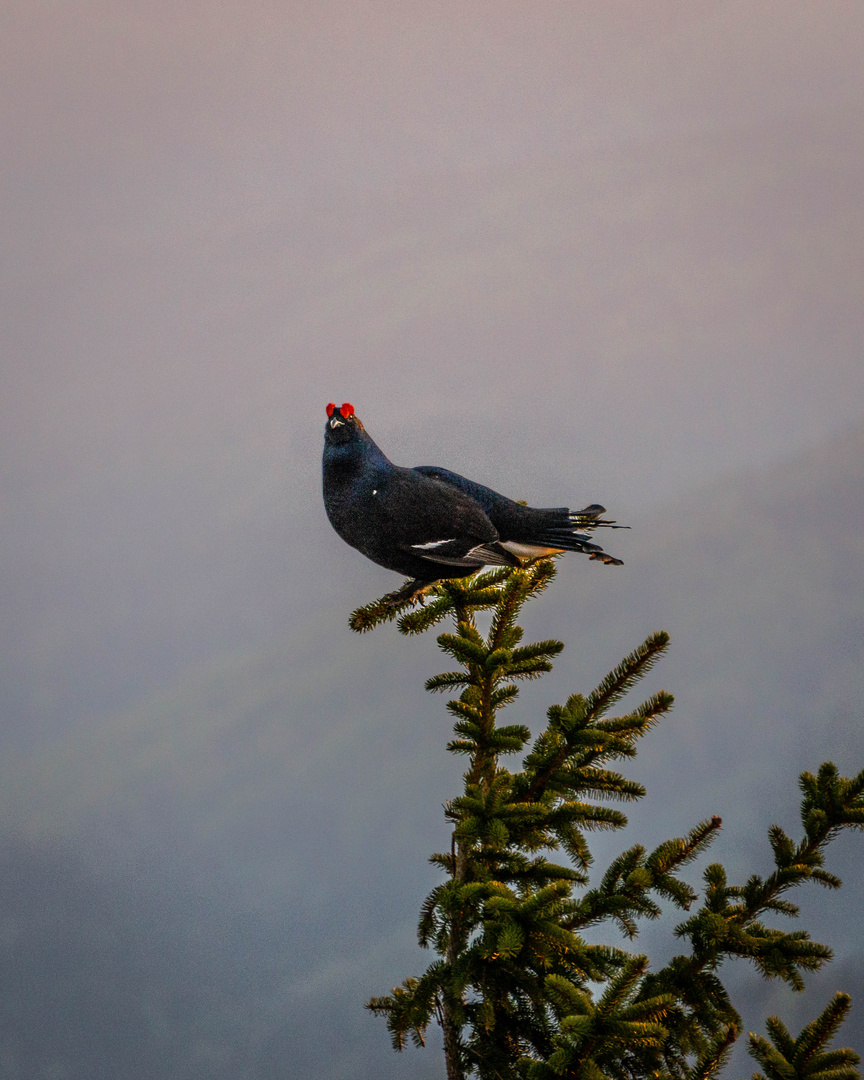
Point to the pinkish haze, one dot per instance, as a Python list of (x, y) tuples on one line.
[(577, 251), (641, 220), (586, 251)]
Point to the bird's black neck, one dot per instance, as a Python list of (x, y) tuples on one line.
[(358, 454)]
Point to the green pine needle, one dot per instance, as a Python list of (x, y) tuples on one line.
[(519, 992)]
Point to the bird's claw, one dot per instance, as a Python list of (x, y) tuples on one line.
[(410, 593)]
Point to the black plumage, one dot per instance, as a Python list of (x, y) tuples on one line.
[(430, 523)]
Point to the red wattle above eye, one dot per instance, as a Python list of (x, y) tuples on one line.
[(347, 410), (331, 408)]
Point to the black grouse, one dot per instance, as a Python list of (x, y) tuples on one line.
[(430, 523)]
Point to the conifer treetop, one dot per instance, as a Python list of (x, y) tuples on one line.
[(519, 992)]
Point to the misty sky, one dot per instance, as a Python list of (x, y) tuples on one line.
[(581, 252), (578, 251), (217, 217)]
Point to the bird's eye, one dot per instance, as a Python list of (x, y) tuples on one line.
[(331, 408), (347, 410)]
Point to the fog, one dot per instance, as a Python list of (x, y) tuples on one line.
[(580, 253)]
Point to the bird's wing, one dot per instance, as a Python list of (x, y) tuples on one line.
[(464, 553), (485, 496), (527, 533), (440, 523)]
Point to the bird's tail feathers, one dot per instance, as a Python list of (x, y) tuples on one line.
[(590, 518), (566, 530)]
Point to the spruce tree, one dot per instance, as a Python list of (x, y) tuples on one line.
[(805, 1058), (516, 989)]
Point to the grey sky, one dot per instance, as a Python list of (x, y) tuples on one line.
[(218, 216), (583, 252), (579, 251)]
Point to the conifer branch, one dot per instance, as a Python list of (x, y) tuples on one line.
[(622, 678), (366, 618), (583, 738), (806, 1058), (515, 985), (728, 923), (715, 1054)]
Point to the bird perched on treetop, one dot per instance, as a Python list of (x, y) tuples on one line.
[(430, 523)]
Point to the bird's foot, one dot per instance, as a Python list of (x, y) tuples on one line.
[(410, 593)]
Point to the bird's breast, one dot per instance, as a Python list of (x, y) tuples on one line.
[(354, 503)]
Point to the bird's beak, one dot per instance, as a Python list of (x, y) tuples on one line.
[(336, 422)]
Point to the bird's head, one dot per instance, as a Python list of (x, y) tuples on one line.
[(342, 425)]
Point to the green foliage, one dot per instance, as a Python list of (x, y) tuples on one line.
[(805, 1058), (517, 990)]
